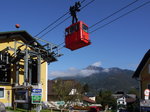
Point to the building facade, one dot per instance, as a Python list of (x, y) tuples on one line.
[(142, 75), (23, 67)]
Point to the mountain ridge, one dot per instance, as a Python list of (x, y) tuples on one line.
[(113, 79)]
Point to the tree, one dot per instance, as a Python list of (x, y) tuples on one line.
[(105, 98), (62, 89), (134, 91), (134, 107), (85, 88)]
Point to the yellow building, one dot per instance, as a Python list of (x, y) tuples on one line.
[(23, 67)]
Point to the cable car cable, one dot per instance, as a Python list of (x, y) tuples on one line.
[(114, 13), (53, 27), (37, 38), (54, 22), (121, 16), (111, 14), (117, 18), (63, 20), (87, 4)]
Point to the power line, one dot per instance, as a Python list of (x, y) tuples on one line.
[(53, 27), (81, 9), (117, 18), (114, 13), (121, 16), (54, 22), (87, 4), (82, 1), (63, 20), (111, 14)]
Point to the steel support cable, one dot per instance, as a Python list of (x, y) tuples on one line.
[(109, 15), (37, 38), (121, 16), (114, 13), (87, 4), (82, 1), (54, 22), (63, 20), (53, 27), (118, 18)]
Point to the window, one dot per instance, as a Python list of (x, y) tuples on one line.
[(148, 86), (149, 69), (5, 71), (85, 28), (1, 92), (72, 29), (34, 73), (21, 95), (76, 27), (67, 32)]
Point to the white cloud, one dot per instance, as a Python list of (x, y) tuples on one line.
[(87, 72), (71, 72), (106, 70), (97, 64)]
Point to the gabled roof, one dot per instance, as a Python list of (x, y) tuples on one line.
[(22, 34), (141, 65), (27, 39), (85, 98)]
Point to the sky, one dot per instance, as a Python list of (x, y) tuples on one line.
[(122, 43)]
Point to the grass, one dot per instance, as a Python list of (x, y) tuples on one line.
[(23, 110)]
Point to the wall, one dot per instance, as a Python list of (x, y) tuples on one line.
[(44, 79), (8, 100), (145, 78)]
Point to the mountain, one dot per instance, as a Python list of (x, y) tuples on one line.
[(114, 79)]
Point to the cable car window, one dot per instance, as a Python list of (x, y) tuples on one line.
[(85, 28), (72, 29), (67, 32), (76, 27)]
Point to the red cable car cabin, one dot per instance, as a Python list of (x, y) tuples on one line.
[(77, 36)]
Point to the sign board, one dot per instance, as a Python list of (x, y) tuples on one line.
[(145, 103), (36, 90), (146, 93), (36, 98), (146, 97), (60, 102), (145, 108)]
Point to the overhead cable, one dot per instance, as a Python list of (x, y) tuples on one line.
[(54, 22), (121, 16), (114, 13), (118, 18), (63, 20)]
